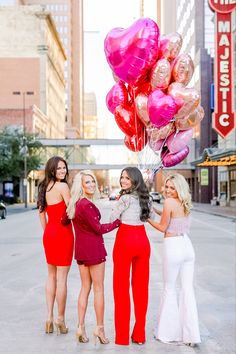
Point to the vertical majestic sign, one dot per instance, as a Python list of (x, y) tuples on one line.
[(224, 119)]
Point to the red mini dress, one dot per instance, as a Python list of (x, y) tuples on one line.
[(58, 240)]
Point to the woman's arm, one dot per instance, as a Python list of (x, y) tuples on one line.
[(91, 217), (43, 220), (165, 218), (119, 207)]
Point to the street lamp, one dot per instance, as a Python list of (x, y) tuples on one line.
[(24, 149)]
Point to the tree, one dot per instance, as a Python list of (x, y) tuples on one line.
[(13, 146)]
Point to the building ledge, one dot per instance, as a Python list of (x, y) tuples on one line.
[(216, 157)]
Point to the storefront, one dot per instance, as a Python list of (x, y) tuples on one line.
[(224, 162)]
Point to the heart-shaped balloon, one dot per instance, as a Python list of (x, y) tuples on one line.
[(127, 120), (136, 142), (157, 145), (161, 108), (160, 133), (187, 98), (161, 74), (141, 108), (132, 52), (190, 121), (170, 46), (178, 141), (170, 160), (183, 68), (118, 95)]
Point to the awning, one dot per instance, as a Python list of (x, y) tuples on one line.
[(216, 157)]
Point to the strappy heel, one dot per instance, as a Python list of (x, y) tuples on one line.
[(61, 327), (49, 327), (99, 334), (81, 334)]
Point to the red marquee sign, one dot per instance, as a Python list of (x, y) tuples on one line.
[(224, 118)]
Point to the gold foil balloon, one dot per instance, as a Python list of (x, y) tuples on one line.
[(183, 68), (170, 46), (190, 121), (141, 108), (161, 74), (187, 99)]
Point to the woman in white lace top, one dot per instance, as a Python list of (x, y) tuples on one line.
[(131, 252)]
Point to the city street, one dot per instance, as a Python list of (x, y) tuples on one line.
[(23, 274)]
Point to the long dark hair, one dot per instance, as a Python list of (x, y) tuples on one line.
[(50, 176), (140, 188)]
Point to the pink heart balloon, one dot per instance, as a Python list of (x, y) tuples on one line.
[(161, 108), (170, 160), (132, 52), (118, 95), (178, 141)]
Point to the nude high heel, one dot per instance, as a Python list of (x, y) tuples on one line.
[(81, 334), (49, 327), (61, 327), (99, 334)]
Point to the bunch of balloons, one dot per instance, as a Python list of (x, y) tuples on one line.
[(150, 101)]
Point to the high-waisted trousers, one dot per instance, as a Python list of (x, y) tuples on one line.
[(178, 322), (131, 252)]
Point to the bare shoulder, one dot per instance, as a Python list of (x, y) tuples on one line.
[(170, 203), (62, 186)]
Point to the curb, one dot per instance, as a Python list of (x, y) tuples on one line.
[(233, 218)]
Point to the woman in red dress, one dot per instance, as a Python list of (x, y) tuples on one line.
[(58, 240), (90, 252)]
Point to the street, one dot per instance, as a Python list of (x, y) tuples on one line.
[(23, 274)]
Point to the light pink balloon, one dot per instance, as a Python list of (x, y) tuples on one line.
[(118, 95), (187, 99), (183, 68), (140, 103), (178, 141), (160, 74), (156, 145), (161, 108), (133, 51), (170, 160), (170, 46), (190, 121)]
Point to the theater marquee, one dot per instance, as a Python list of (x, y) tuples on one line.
[(224, 118)]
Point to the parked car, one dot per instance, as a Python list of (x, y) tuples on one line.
[(3, 210), (156, 196)]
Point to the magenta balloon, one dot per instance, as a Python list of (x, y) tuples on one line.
[(170, 160), (132, 52), (178, 141), (161, 108), (156, 145), (118, 95)]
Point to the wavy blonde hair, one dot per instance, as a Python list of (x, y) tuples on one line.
[(77, 191), (182, 189)]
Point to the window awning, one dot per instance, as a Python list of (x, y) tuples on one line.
[(216, 157)]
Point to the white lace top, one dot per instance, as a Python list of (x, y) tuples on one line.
[(127, 209)]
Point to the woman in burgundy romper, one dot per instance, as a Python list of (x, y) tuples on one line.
[(90, 252)]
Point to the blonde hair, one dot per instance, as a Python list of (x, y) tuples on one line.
[(77, 191), (182, 189)]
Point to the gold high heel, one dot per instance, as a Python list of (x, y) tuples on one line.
[(49, 327), (61, 327), (99, 333), (81, 334)]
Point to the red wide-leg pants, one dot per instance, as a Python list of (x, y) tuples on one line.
[(131, 251)]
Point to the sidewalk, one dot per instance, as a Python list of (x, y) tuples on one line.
[(224, 211), (19, 208)]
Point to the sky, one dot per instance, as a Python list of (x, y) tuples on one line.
[(99, 18)]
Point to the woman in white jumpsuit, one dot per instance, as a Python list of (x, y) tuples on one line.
[(177, 322)]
